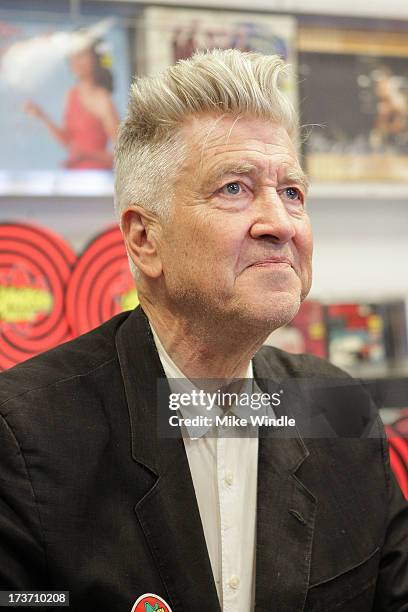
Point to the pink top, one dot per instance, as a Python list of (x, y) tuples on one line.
[(85, 132)]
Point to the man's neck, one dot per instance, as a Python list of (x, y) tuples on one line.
[(204, 351)]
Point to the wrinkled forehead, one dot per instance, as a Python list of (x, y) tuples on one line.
[(213, 139), (224, 129)]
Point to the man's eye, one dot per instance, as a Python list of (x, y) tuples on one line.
[(231, 189), (292, 193)]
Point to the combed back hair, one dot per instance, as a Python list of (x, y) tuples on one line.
[(150, 150)]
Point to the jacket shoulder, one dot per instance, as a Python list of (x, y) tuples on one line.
[(302, 365), (69, 360), (326, 395)]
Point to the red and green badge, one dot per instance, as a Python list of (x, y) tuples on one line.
[(150, 603)]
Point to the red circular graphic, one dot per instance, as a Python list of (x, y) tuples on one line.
[(398, 449), (100, 283), (35, 266), (150, 603)]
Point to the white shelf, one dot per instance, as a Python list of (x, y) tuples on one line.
[(390, 9), (377, 191), (59, 183)]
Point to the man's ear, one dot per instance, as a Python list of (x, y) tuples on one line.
[(142, 231)]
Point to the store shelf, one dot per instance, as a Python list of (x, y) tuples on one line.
[(356, 191), (392, 9), (59, 183)]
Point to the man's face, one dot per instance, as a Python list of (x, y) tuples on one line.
[(238, 245)]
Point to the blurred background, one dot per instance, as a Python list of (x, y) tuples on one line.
[(65, 70)]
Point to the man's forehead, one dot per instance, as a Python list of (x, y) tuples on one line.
[(224, 130), (222, 141)]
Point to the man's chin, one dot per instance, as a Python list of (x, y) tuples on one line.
[(273, 313)]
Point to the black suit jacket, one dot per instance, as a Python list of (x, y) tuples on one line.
[(93, 502)]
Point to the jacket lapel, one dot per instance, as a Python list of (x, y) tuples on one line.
[(168, 514), (286, 510)]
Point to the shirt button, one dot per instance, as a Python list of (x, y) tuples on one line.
[(229, 478), (233, 582)]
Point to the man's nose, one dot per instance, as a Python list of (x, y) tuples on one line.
[(272, 219)]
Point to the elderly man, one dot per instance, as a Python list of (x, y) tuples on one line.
[(93, 499)]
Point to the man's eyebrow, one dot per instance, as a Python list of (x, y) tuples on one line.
[(230, 168), (293, 175), (296, 175)]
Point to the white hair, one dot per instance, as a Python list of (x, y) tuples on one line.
[(150, 149)]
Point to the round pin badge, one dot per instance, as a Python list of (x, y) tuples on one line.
[(101, 284), (35, 266), (150, 603)]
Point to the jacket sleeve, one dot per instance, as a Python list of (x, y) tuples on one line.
[(22, 558), (392, 583)]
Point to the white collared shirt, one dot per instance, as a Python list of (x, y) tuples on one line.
[(224, 471)]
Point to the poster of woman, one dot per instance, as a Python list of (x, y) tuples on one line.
[(90, 118), (63, 90)]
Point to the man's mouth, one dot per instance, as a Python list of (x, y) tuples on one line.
[(273, 260)]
